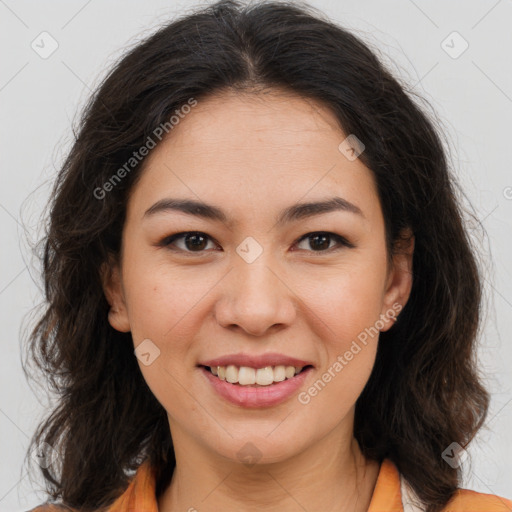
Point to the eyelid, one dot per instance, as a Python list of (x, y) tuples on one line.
[(341, 240)]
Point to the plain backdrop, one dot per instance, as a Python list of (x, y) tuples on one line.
[(466, 76)]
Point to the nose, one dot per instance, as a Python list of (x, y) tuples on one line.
[(256, 298)]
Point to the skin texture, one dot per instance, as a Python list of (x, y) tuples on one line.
[(252, 156)]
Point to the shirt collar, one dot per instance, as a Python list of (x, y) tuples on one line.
[(140, 494), (387, 496)]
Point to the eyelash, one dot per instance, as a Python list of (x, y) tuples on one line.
[(343, 242)]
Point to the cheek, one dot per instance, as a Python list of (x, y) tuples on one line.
[(332, 395), (162, 309), (161, 298), (167, 306), (348, 305), (348, 300)]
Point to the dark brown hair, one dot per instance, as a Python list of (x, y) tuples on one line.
[(424, 392)]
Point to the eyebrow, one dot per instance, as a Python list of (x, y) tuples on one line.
[(292, 213)]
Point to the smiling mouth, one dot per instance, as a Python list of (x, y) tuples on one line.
[(245, 376)]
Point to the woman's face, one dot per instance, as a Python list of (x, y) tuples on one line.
[(251, 283)]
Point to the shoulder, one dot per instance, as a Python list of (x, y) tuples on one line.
[(47, 507), (465, 500)]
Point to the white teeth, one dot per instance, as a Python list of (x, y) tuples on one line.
[(289, 371), (265, 376), (232, 374), (246, 376), (279, 373)]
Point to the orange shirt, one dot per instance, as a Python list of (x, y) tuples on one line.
[(391, 494)]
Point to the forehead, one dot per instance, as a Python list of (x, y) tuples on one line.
[(274, 119), (255, 149)]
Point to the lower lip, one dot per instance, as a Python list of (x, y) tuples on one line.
[(264, 396)]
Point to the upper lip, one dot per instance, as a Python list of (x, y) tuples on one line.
[(255, 361)]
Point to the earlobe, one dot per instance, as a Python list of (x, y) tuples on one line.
[(400, 280), (111, 283)]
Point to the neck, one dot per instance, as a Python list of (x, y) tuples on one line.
[(321, 477)]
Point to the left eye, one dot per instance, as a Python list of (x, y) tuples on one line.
[(196, 241), (321, 240)]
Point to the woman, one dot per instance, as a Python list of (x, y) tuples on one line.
[(261, 294)]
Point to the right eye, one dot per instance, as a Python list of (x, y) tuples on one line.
[(193, 241)]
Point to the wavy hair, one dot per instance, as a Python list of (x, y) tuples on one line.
[(424, 392)]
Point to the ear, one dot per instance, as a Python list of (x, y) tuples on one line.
[(400, 278), (112, 287)]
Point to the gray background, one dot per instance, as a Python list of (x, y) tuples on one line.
[(40, 98)]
